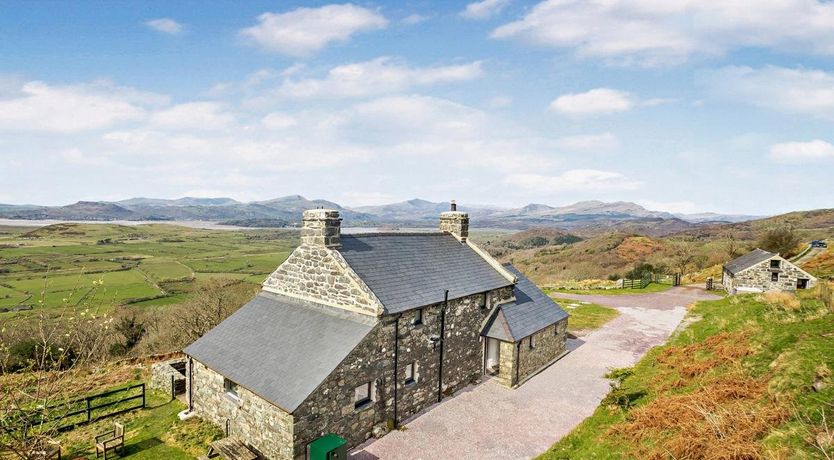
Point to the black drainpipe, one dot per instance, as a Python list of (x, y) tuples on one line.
[(396, 359), (442, 337), (517, 360), (190, 383)]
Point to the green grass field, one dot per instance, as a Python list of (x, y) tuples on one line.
[(749, 378), (145, 266), (652, 287), (586, 317)]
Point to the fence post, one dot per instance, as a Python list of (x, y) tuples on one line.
[(89, 412), (142, 385)]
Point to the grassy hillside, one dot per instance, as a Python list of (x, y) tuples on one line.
[(612, 254), (750, 378), (142, 266)]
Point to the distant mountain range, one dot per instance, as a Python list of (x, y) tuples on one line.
[(286, 211)]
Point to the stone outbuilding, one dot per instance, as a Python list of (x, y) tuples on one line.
[(354, 333), (760, 271)]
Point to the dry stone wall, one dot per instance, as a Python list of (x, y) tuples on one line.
[(322, 275)]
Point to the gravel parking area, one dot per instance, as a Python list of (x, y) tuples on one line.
[(488, 421)]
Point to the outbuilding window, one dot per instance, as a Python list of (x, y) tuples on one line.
[(230, 388), (411, 373), (775, 263), (362, 395), (482, 300), (418, 317), (774, 276)]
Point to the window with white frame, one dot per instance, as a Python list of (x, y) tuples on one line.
[(230, 388), (482, 300), (363, 395), (418, 317), (532, 342), (411, 373)]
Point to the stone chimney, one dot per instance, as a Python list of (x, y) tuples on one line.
[(455, 222), (322, 227)]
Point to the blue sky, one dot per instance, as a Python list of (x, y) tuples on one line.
[(681, 105)]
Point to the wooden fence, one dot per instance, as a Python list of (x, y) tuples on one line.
[(67, 414)]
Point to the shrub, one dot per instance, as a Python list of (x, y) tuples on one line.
[(782, 240)]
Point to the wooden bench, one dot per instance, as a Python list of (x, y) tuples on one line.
[(230, 449), (113, 440)]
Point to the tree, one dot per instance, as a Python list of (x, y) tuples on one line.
[(132, 329), (682, 256), (732, 246), (782, 240), (37, 375), (210, 303)]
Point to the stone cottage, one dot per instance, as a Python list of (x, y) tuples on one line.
[(759, 271), (354, 333)]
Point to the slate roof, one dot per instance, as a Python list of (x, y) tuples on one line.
[(532, 311), (408, 271), (748, 260), (281, 348)]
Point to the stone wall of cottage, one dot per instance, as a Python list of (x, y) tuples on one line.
[(319, 274), (759, 277), (263, 426), (549, 344), (330, 409), (507, 362), (518, 362)]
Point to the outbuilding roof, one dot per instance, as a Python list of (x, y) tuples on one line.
[(748, 260), (412, 270), (532, 311), (281, 348)]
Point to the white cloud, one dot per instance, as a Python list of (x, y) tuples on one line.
[(304, 31), (802, 152), (599, 142), (38, 106), (413, 19), (803, 91), (193, 116), (278, 121), (165, 25), (600, 101), (500, 101), (484, 9), (378, 76), (650, 32), (574, 180)]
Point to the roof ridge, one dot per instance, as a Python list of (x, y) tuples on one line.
[(433, 233)]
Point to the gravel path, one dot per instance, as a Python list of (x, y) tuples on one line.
[(488, 421)]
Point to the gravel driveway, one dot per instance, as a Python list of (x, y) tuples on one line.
[(488, 421)]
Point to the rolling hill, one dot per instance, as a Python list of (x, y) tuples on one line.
[(586, 216)]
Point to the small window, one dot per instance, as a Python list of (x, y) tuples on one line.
[(774, 276), (418, 317), (556, 330), (532, 342), (411, 373), (362, 395), (230, 387), (775, 263), (482, 300)]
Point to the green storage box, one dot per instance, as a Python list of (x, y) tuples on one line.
[(328, 447)]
